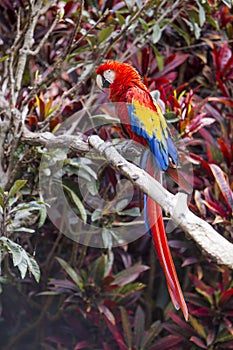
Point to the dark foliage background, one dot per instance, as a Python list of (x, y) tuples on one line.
[(80, 297)]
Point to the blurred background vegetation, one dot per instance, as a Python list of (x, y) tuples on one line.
[(56, 293)]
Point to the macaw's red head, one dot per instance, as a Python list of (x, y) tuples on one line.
[(118, 77)]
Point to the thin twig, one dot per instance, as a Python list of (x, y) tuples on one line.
[(142, 39)]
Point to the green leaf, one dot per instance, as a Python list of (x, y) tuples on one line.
[(159, 58), (96, 215), (21, 259), (48, 292), (197, 326), (120, 19), (1, 201), (15, 249), (125, 291), (22, 266), (87, 69), (105, 33), (156, 34), (4, 58), (98, 269), (189, 23), (131, 212), (121, 204), (43, 215), (223, 337), (202, 16), (139, 325), (182, 33), (197, 31), (151, 334), (33, 268), (107, 238), (106, 117), (78, 203), (93, 187), (213, 22), (126, 328), (16, 187), (109, 262), (82, 164), (71, 272), (130, 4), (23, 229), (144, 25), (156, 95), (169, 115)]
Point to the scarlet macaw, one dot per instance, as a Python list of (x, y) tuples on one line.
[(142, 119)]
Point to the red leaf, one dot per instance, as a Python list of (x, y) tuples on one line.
[(202, 311), (208, 137), (166, 343), (173, 62), (225, 149), (83, 345), (145, 60), (214, 207), (216, 57), (189, 261), (222, 85), (62, 284), (108, 314), (228, 345), (211, 336), (198, 342), (182, 324), (116, 334), (228, 66), (204, 164), (197, 123), (106, 346), (223, 183), (224, 55), (129, 275), (32, 122), (201, 285), (225, 100), (226, 295)]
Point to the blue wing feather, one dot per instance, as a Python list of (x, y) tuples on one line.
[(162, 147)]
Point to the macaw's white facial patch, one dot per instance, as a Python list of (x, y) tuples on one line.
[(109, 75)]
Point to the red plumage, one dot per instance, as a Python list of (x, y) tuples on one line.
[(143, 121)]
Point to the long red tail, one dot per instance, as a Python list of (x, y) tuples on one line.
[(154, 221)]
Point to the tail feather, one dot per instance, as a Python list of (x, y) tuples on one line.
[(155, 222), (155, 225)]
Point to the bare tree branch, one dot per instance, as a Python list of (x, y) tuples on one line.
[(49, 139), (175, 206)]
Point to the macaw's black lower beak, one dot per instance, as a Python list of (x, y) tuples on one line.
[(102, 82), (105, 83)]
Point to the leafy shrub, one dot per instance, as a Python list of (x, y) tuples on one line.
[(84, 297)]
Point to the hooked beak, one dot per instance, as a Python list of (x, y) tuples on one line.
[(102, 82)]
